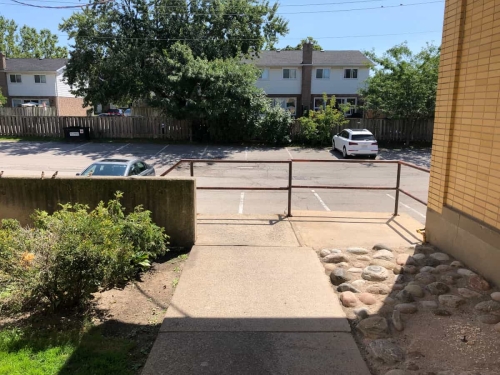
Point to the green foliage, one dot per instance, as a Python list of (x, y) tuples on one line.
[(274, 126), (318, 127), (28, 42), (74, 252), (3, 99), (298, 47)]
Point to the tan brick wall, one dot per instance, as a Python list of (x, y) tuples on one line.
[(465, 173), (71, 107)]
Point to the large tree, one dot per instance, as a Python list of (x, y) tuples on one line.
[(309, 39), (122, 49), (403, 84), (28, 42)]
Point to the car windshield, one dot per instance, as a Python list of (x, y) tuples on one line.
[(362, 137), (101, 169)]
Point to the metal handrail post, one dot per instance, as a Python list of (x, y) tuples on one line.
[(398, 181), (191, 168), (290, 188)]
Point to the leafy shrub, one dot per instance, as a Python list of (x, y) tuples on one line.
[(275, 125), (317, 127), (73, 253)]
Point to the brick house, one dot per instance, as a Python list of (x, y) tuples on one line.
[(38, 81), (297, 79)]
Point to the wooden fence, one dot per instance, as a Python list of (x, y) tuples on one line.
[(100, 127), (383, 130), (28, 111)]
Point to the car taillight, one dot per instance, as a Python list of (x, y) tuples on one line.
[(353, 144), (374, 143)]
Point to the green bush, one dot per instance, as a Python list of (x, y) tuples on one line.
[(73, 253), (275, 125), (318, 127)]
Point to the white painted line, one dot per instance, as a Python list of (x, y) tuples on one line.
[(76, 148), (161, 150), (203, 153), (408, 207), (119, 148), (291, 157), (242, 200), (321, 201)]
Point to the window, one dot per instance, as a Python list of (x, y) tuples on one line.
[(363, 137), (344, 134), (15, 78), (40, 79), (40, 102), (351, 73), (289, 73), (264, 74), (318, 104), (289, 104), (322, 73), (350, 101)]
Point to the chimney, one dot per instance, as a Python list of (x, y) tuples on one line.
[(3, 61), (306, 86), (307, 53)]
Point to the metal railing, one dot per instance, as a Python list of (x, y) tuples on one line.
[(291, 186)]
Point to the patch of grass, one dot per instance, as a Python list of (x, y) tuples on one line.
[(175, 282), (182, 257), (63, 352)]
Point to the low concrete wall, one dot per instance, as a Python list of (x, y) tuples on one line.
[(473, 243), (172, 201)]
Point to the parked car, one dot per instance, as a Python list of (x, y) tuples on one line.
[(355, 142), (118, 167), (127, 112), (115, 112)]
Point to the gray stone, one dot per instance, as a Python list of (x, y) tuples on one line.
[(495, 296), (400, 279), (405, 296), (406, 308), (418, 257), (449, 300), (398, 287), (442, 268), (387, 351), (323, 253), (389, 301), (355, 270), (479, 283), (335, 258), (381, 246), (384, 255), (357, 250), (378, 289), (425, 278), (410, 269), (456, 264), (397, 321), (375, 273), (362, 313), (465, 272), (442, 257), (467, 293), (397, 270), (448, 279), (348, 299), (340, 276), (363, 257), (488, 307), (425, 249), (438, 288), (428, 261), (383, 263), (427, 269), (415, 290), (489, 319), (374, 327), (346, 287), (429, 305), (358, 283)]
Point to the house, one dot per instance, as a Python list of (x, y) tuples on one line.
[(38, 81), (296, 80)]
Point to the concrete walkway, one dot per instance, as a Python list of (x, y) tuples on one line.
[(266, 305)]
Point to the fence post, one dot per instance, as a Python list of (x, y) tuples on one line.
[(398, 180), (290, 163), (191, 169)]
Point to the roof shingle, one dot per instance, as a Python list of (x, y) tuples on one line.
[(35, 65), (294, 58)]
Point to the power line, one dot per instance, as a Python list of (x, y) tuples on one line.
[(64, 6)]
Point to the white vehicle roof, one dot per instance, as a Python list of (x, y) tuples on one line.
[(358, 131)]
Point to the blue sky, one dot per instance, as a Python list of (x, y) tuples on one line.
[(334, 28)]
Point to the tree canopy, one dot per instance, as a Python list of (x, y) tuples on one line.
[(27, 42), (309, 39)]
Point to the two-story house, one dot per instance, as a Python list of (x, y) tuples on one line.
[(296, 80), (38, 81)]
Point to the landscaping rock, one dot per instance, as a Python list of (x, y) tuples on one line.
[(383, 263), (346, 287), (381, 246), (375, 273), (406, 308), (340, 276), (397, 321), (438, 288), (441, 312), (405, 296), (448, 279), (348, 299), (400, 279), (432, 262), (389, 301), (387, 351), (429, 305), (355, 270), (364, 257), (442, 257), (357, 250), (323, 253), (488, 307), (335, 258), (378, 289), (497, 327), (358, 283), (442, 268), (449, 300), (479, 283), (465, 272), (495, 296), (418, 257), (330, 266), (362, 313), (359, 265), (397, 270), (489, 319), (367, 298), (427, 269), (456, 264), (415, 290), (374, 327), (467, 293), (410, 269), (425, 249), (384, 255), (342, 265), (404, 259), (425, 278)]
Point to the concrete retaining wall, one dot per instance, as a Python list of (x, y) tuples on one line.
[(172, 201)]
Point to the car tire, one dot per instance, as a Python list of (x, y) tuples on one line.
[(344, 153), (373, 157), (333, 146)]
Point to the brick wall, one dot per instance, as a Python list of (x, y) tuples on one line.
[(466, 152), (71, 107)]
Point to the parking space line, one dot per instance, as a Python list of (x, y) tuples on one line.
[(320, 201), (242, 200), (161, 150), (405, 205), (119, 148), (76, 148), (289, 153)]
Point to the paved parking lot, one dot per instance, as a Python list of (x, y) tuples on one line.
[(31, 158)]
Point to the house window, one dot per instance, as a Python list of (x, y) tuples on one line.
[(351, 73), (264, 74), (322, 73), (15, 78), (289, 104), (318, 104), (40, 79), (351, 101), (289, 73), (39, 102)]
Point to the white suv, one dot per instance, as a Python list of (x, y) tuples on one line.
[(355, 142)]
